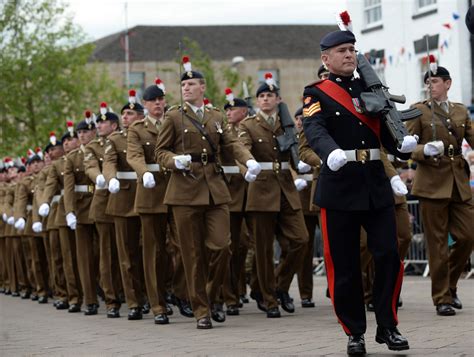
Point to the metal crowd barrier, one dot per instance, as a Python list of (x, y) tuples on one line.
[(417, 256)]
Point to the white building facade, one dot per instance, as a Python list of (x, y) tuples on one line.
[(393, 33)]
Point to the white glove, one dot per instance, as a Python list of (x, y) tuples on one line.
[(71, 220), (20, 224), (11, 220), (409, 143), (100, 181), (398, 187), (303, 167), (182, 162), (37, 227), (5, 217), (249, 177), (300, 184), (43, 210), (253, 167), (114, 185), (337, 159), (148, 180), (433, 148)]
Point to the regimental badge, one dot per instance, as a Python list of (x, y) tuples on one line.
[(357, 105), (132, 105), (103, 117), (219, 127), (312, 109), (307, 100), (190, 74)]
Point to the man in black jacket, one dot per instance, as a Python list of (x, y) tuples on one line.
[(353, 192)]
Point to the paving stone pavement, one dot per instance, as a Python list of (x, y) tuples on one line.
[(30, 329)]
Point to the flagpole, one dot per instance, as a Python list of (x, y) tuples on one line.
[(127, 50)]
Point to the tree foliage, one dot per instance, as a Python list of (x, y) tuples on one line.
[(44, 76)]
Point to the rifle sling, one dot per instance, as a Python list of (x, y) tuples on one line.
[(449, 127), (204, 133)]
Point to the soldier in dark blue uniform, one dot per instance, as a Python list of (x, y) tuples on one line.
[(353, 192)]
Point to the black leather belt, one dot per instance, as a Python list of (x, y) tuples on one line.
[(204, 158), (451, 152)]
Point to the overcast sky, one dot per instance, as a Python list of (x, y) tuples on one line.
[(100, 18)]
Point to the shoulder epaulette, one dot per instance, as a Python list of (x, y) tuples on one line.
[(312, 84), (250, 117)]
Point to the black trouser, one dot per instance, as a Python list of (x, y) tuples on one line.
[(341, 233)]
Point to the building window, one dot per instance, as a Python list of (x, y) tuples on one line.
[(372, 12), (377, 59), (274, 72), (425, 5), (137, 82)]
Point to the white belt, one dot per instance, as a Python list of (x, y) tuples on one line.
[(231, 169), (275, 165), (29, 208), (55, 198), (83, 188), (153, 167), (306, 177), (362, 155), (127, 175)]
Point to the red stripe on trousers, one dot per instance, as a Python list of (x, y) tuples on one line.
[(330, 266), (396, 292)]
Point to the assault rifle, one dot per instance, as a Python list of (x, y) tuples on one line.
[(378, 101), (288, 141)]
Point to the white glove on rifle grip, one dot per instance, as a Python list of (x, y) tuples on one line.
[(336, 159), (114, 185), (409, 143), (148, 180)]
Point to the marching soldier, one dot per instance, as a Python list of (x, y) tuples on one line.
[(78, 192), (273, 204), (55, 186), (310, 212), (151, 187), (353, 191), (442, 184), (18, 269), (109, 268), (236, 110), (54, 150), (122, 185), (188, 143), (23, 216)]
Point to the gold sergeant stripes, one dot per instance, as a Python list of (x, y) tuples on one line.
[(312, 109)]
